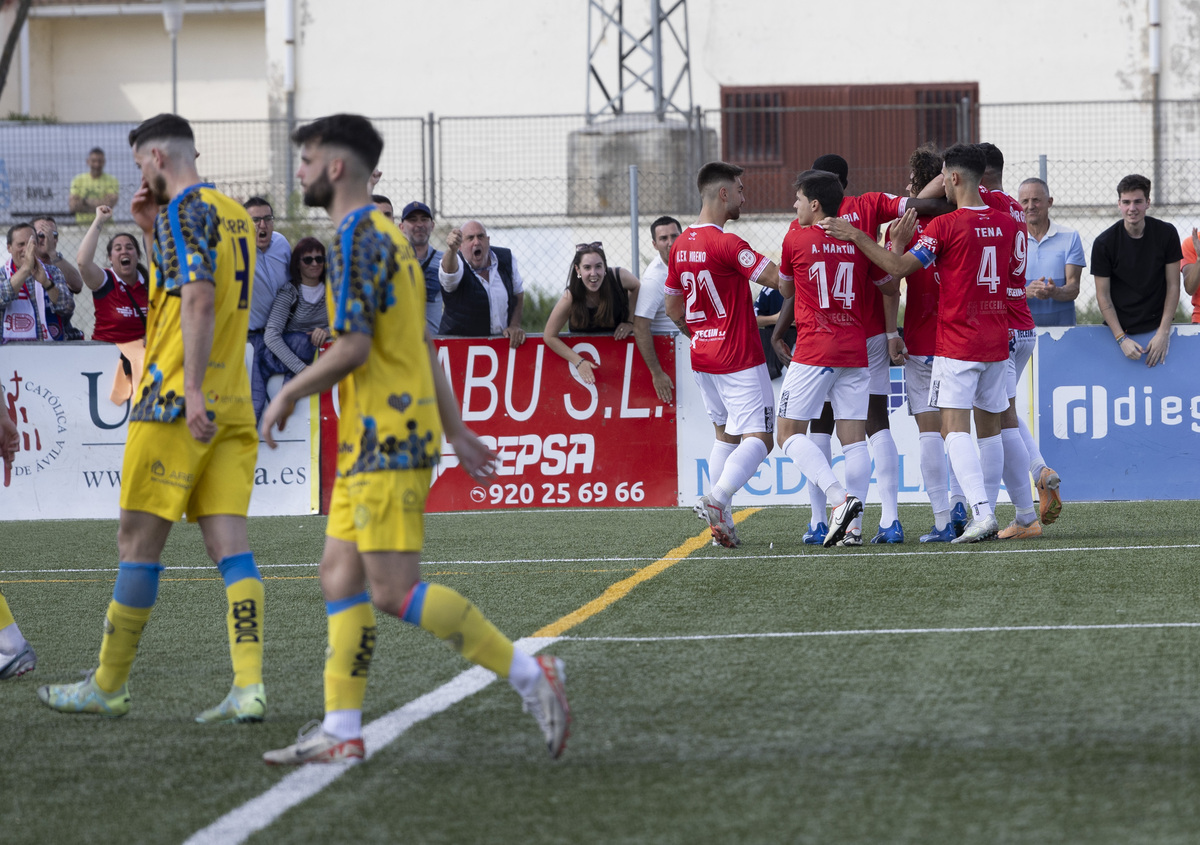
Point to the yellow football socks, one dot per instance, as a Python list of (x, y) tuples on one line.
[(122, 633), (452, 618), (351, 646)]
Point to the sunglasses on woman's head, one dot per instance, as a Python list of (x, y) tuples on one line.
[(313, 259)]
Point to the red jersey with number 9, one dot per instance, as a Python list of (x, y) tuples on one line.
[(975, 250), (711, 267), (831, 293), (1019, 315)]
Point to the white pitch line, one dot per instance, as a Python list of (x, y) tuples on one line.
[(304, 782), (883, 631), (732, 560)]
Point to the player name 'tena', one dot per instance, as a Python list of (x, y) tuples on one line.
[(988, 232)]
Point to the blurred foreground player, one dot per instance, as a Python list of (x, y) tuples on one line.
[(192, 444), (395, 403), (16, 654)]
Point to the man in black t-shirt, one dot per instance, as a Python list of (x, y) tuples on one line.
[(1136, 267)]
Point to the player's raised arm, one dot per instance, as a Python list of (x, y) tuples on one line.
[(895, 265)]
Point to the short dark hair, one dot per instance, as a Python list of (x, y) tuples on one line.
[(716, 172), (16, 227), (966, 157), (993, 158), (379, 198), (255, 202), (1134, 182), (352, 131), (925, 164), (307, 244), (45, 217), (95, 150), (823, 186), (663, 221), (835, 164), (161, 127)]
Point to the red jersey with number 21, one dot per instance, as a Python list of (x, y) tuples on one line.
[(975, 252), (711, 267)]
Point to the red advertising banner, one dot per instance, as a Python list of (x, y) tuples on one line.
[(560, 442)]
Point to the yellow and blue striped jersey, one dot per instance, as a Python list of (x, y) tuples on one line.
[(201, 236), (389, 417)]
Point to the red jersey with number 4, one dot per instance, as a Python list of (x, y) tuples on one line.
[(1019, 316), (975, 251), (831, 287), (711, 267)]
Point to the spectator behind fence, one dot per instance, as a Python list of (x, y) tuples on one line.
[(650, 314), (298, 324), (270, 269), (483, 294), (121, 297), (47, 252), (93, 189), (597, 299), (1055, 259), (385, 206), (34, 296), (417, 222), (1191, 272), (1135, 263)]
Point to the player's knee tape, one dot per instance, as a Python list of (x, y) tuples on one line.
[(137, 584), (238, 567)]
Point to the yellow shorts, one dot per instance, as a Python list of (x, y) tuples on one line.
[(167, 472), (380, 511)]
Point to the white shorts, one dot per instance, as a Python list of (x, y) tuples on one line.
[(968, 384), (743, 402), (1020, 348), (807, 387), (917, 375), (878, 366)]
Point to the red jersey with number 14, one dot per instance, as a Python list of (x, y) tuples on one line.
[(831, 288), (975, 252), (711, 267)]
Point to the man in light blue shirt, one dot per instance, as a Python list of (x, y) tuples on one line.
[(271, 265), (1056, 261)]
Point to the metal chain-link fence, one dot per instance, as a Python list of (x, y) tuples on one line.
[(541, 184)]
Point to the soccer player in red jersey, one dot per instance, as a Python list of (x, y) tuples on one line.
[(866, 212), (916, 350), (975, 249), (1020, 452), (828, 280), (708, 298)]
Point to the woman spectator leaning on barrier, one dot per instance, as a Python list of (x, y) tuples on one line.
[(298, 323), (121, 298), (598, 298)]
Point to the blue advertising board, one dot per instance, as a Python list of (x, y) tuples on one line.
[(1113, 428)]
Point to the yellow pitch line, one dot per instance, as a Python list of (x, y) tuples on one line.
[(622, 588)]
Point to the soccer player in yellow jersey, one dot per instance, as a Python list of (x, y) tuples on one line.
[(192, 442), (395, 402), (16, 654)]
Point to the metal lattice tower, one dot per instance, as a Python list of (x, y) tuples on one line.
[(639, 62)]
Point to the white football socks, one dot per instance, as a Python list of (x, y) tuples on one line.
[(1016, 469), (1036, 462), (887, 476), (933, 472), (965, 462), (739, 468), (812, 462), (858, 474), (716, 460), (816, 493), (991, 460)]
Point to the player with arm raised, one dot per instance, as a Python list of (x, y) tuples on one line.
[(974, 248), (826, 279), (708, 297)]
